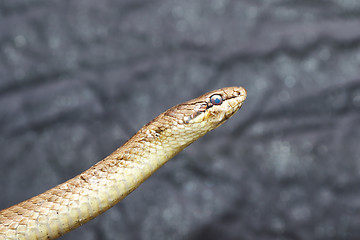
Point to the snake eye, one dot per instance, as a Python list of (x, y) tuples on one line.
[(216, 99)]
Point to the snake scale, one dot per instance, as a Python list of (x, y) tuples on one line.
[(82, 198)]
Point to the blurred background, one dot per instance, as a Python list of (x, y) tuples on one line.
[(78, 78)]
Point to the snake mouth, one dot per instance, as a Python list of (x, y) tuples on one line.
[(235, 100)]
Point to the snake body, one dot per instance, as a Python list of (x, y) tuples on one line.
[(82, 198)]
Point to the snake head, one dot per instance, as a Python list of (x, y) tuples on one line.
[(214, 107), (196, 117)]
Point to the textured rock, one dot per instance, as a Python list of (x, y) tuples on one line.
[(78, 78)]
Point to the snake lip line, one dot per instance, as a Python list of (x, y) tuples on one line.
[(87, 195)]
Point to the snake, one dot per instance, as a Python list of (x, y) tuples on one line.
[(70, 204)]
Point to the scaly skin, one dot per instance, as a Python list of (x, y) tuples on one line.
[(82, 198)]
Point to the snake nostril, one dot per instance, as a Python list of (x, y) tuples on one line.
[(240, 92)]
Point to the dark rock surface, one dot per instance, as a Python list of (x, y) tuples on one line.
[(78, 78)]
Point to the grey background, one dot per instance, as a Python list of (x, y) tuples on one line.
[(78, 78)]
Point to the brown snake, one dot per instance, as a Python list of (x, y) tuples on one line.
[(82, 198)]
